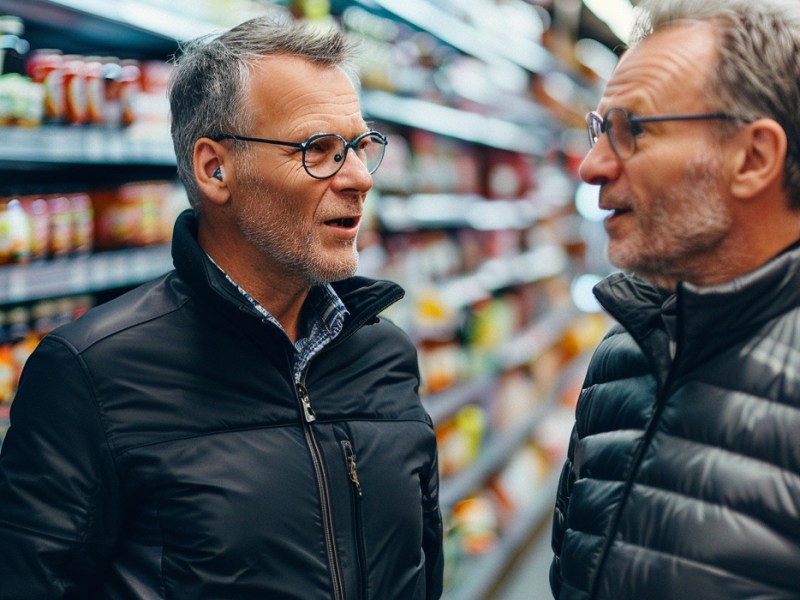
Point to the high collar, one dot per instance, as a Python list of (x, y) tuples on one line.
[(364, 298), (709, 319)]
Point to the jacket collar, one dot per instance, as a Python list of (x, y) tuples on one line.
[(364, 298), (709, 319)]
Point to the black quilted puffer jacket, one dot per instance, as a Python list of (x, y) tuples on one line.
[(159, 448), (683, 473)]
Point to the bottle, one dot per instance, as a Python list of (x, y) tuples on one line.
[(95, 89), (15, 232), (13, 47), (112, 89)]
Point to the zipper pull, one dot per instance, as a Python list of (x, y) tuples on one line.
[(350, 456), (308, 412)]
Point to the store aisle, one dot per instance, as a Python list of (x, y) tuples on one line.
[(529, 578)]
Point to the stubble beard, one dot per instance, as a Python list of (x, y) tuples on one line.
[(272, 225), (678, 230)]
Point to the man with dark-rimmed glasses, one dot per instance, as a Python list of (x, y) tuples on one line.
[(683, 472), (247, 426)]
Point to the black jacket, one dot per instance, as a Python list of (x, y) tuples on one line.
[(683, 475), (158, 449)]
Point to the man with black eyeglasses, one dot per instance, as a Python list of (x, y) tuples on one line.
[(246, 426), (682, 479)]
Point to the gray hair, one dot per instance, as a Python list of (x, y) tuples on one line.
[(211, 75), (758, 72)]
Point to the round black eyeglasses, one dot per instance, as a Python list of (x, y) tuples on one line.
[(324, 153), (622, 127)]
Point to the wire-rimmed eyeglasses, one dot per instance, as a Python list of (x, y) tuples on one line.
[(324, 153), (622, 127)]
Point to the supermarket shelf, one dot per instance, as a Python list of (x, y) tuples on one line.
[(60, 158), (502, 272), (455, 123), (124, 27), (483, 571), (443, 405), (470, 40), (82, 274), (143, 16), (481, 575), (97, 24), (493, 456), (523, 348), (52, 145), (500, 448), (541, 335), (455, 211)]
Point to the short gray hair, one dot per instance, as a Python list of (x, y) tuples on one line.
[(758, 72), (210, 79)]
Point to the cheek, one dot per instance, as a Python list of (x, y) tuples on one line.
[(651, 178), (289, 192)]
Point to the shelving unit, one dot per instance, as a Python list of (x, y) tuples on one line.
[(55, 146), (482, 572), (57, 158), (444, 120), (82, 274), (528, 129), (133, 28)]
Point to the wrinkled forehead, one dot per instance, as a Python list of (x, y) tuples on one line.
[(667, 72), (289, 95)]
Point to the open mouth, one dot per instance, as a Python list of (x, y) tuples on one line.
[(344, 222)]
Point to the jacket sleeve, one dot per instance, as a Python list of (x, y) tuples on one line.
[(432, 533), (59, 492)]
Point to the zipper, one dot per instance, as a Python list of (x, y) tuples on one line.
[(324, 492), (358, 494), (352, 471), (662, 393), (305, 402)]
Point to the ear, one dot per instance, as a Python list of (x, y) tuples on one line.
[(760, 161), (209, 157)]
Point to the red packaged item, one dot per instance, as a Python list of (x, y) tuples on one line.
[(39, 217), (130, 86), (60, 225), (47, 67), (75, 89)]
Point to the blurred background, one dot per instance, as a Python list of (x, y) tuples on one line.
[(477, 211)]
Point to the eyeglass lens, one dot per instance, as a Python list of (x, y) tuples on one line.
[(619, 129), (325, 154)]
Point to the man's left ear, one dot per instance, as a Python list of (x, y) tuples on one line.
[(761, 159)]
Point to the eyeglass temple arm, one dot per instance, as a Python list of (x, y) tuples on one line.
[(244, 138), (699, 117)]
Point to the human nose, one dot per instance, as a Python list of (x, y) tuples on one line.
[(601, 164), (353, 173)]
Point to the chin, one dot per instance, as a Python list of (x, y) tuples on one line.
[(322, 274)]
